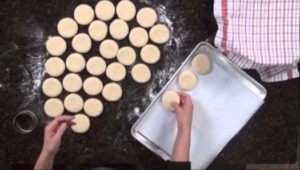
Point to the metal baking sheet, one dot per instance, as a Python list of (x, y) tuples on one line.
[(224, 100)]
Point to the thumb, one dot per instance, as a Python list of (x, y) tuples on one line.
[(60, 131), (175, 106)]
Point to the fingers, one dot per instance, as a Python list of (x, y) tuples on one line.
[(175, 106), (185, 98), (61, 130), (52, 126)]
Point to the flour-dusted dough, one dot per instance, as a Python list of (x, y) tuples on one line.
[(92, 86), (201, 63), (98, 30), (119, 29), (126, 10), (138, 37), (82, 123), (146, 17), (56, 46), (109, 49), (82, 43), (67, 27), (54, 107), (170, 97), (93, 107), (105, 10), (75, 62), (141, 73), (187, 80), (84, 14), (72, 82), (116, 71), (73, 103), (150, 54), (52, 87), (96, 66), (112, 92), (160, 34), (55, 66), (126, 56)]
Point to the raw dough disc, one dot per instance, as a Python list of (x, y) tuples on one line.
[(112, 92), (126, 10), (160, 34), (138, 37), (82, 123), (201, 63), (98, 30), (187, 80), (72, 82), (119, 29), (82, 43), (141, 73), (73, 103), (170, 97), (54, 107), (96, 66), (55, 66), (92, 86), (146, 17), (116, 71), (67, 27), (52, 87), (93, 107), (105, 10), (75, 62), (109, 49), (126, 56), (150, 54), (84, 14), (56, 46)]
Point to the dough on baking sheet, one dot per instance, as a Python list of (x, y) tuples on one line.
[(119, 29), (126, 10), (55, 66), (141, 73), (170, 97), (116, 71), (67, 27), (150, 54), (72, 82), (126, 56), (201, 63), (92, 86), (73, 103), (52, 87), (187, 80), (160, 34), (98, 30), (146, 17), (96, 66), (105, 10), (82, 43), (109, 49), (82, 123), (56, 46), (93, 107), (138, 37), (54, 107), (112, 92), (75, 62), (84, 14)]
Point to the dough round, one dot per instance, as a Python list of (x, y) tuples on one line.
[(141, 73), (72, 83), (119, 29), (75, 62), (170, 97), (126, 10), (105, 10), (52, 87), (82, 123), (54, 107), (82, 43), (138, 37), (73, 103), (150, 54), (126, 56), (67, 27), (98, 30), (84, 14), (96, 66), (55, 66), (187, 80), (201, 63), (146, 17), (116, 71), (109, 49), (93, 107), (56, 46), (160, 34), (112, 92), (92, 86)]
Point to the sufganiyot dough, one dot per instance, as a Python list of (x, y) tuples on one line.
[(82, 123), (93, 107), (96, 66), (141, 73), (54, 107), (55, 66), (67, 27), (84, 14), (109, 49), (187, 80), (82, 43), (75, 62), (56, 46), (146, 17), (119, 29), (52, 87), (150, 54), (98, 30), (170, 97), (92, 86), (160, 34), (116, 71), (138, 37), (105, 10), (72, 82), (73, 103), (126, 10), (201, 63), (112, 92), (126, 56)]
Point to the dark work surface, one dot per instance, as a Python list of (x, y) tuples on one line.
[(271, 136)]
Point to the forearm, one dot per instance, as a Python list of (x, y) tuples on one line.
[(45, 161), (181, 150)]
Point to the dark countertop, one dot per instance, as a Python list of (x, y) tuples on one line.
[(271, 136)]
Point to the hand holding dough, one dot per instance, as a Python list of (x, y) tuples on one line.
[(170, 97), (82, 123)]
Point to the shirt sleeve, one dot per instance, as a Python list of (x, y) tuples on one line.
[(178, 165)]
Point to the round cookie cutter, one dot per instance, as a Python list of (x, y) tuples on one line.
[(25, 122)]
